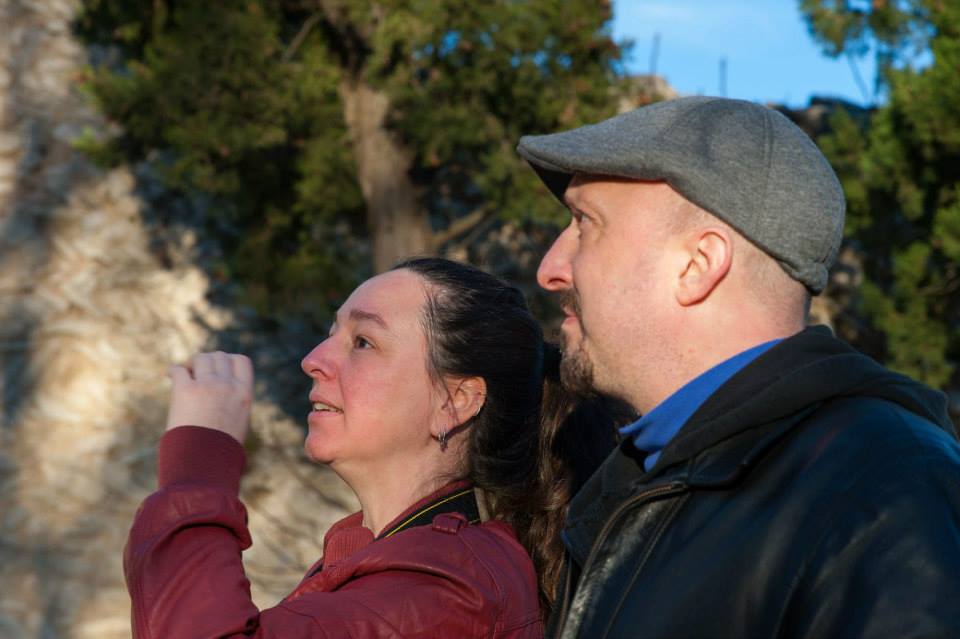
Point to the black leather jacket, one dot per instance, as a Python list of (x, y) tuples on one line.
[(816, 494)]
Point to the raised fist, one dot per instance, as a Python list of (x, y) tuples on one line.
[(215, 391)]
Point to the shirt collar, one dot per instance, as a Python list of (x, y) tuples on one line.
[(651, 432)]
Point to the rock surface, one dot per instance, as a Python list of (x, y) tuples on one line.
[(97, 298)]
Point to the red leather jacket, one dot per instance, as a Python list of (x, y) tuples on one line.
[(183, 568)]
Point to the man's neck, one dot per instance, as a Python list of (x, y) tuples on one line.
[(699, 355)]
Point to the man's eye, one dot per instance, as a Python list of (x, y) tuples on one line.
[(361, 342), (581, 223)]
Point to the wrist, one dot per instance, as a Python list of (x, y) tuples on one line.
[(200, 455)]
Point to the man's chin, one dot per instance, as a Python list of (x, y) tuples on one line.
[(576, 372)]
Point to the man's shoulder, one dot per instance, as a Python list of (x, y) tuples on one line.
[(877, 426), (865, 446)]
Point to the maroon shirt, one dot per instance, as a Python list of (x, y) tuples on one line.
[(185, 576)]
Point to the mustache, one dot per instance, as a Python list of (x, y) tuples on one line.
[(570, 301)]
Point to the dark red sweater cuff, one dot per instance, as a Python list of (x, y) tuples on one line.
[(198, 455)]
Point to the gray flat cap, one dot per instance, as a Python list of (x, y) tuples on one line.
[(745, 163)]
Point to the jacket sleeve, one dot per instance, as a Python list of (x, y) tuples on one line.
[(182, 559), (186, 580), (889, 565)]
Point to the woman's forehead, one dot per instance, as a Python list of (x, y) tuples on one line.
[(394, 297)]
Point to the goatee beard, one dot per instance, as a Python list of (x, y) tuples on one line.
[(576, 369), (576, 373)]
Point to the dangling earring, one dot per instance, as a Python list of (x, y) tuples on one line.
[(443, 439), (482, 404)]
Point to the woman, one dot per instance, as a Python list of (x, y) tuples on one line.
[(426, 395)]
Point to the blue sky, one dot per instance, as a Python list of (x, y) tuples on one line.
[(770, 56)]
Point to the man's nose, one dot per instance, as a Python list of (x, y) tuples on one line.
[(317, 363), (555, 273)]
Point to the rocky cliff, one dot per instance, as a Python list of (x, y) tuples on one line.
[(99, 292)]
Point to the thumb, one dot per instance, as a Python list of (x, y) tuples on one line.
[(179, 375)]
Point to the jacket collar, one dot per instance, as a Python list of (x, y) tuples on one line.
[(741, 421), (453, 498), (800, 372), (349, 535)]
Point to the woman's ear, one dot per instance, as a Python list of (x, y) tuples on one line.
[(465, 399), (709, 260)]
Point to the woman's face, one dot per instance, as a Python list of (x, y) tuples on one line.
[(373, 401)]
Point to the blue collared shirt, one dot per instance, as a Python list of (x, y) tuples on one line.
[(652, 431)]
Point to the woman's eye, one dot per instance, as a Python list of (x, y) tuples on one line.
[(361, 342)]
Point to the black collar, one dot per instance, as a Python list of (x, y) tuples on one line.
[(463, 501)]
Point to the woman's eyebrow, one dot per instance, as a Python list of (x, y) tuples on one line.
[(358, 315)]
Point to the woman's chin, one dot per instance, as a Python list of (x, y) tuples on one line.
[(316, 449)]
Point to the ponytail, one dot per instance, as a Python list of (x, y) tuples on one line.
[(555, 485), (576, 435)]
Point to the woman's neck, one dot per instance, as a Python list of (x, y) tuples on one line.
[(377, 515), (385, 492), (380, 509), (389, 485)]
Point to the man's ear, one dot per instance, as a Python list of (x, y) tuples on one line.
[(709, 256), (465, 399)]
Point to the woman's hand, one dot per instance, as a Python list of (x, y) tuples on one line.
[(215, 391)]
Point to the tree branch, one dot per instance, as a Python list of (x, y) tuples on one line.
[(458, 227), (353, 40), (302, 34)]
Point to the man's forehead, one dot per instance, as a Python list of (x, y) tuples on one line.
[(580, 192), (576, 195)]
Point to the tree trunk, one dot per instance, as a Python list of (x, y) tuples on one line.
[(398, 224)]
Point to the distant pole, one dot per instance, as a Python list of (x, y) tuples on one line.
[(867, 97), (723, 77), (654, 53)]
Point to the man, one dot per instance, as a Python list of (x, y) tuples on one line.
[(778, 483)]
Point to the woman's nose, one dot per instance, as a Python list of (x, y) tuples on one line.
[(317, 362)]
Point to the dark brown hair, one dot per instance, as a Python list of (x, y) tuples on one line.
[(532, 444)]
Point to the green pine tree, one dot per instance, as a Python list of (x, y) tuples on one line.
[(902, 176), (314, 123)]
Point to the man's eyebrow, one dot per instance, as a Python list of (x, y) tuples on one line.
[(577, 213), (575, 203), (358, 315)]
